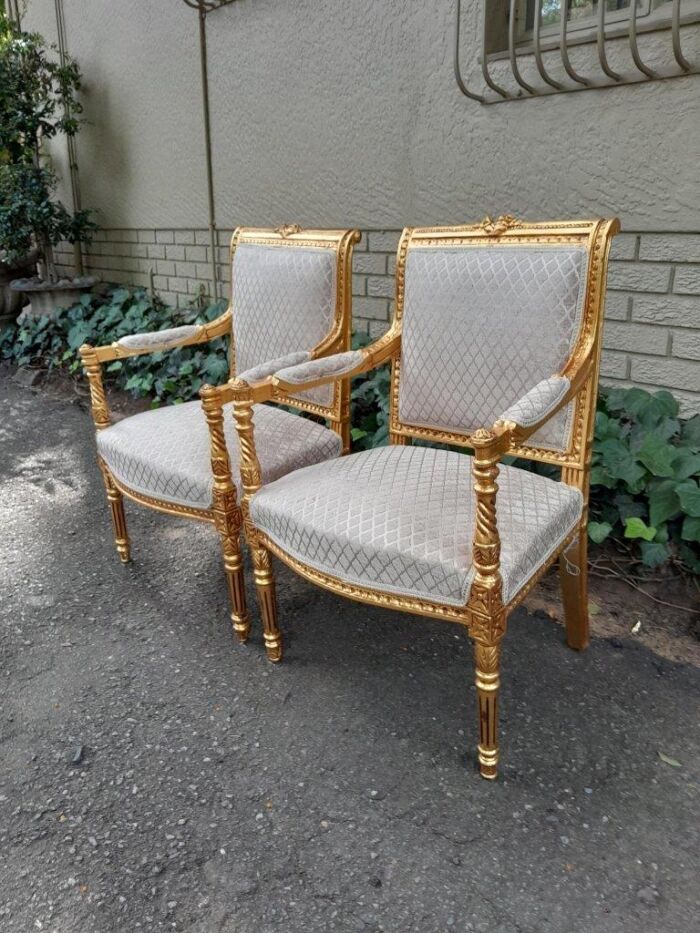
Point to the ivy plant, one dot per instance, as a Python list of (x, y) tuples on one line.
[(646, 466), (172, 376)]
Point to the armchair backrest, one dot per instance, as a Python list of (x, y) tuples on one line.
[(488, 311), (290, 292)]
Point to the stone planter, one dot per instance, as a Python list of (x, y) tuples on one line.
[(46, 298), (11, 301)]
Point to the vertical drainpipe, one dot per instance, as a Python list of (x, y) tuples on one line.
[(13, 12), (70, 140), (203, 7), (207, 147)]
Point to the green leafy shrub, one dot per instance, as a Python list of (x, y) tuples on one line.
[(370, 404), (38, 101), (172, 376), (646, 465)]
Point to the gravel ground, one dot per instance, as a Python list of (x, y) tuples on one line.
[(155, 776)]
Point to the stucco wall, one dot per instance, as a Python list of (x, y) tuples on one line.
[(347, 114)]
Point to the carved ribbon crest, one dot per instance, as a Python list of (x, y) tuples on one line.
[(499, 225), (288, 229)]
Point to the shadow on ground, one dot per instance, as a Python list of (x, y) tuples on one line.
[(154, 776)]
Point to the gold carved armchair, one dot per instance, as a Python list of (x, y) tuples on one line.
[(494, 346), (290, 302)]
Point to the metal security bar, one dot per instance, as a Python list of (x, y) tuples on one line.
[(574, 81)]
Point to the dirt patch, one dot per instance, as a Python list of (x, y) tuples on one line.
[(659, 609)]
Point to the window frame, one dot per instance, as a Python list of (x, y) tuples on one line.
[(585, 31)]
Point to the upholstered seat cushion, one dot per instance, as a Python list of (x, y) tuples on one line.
[(401, 520), (165, 453)]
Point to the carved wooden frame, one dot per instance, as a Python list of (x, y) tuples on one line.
[(225, 512), (485, 613)]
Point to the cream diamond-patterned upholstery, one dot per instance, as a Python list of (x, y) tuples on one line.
[(165, 453), (170, 337), (270, 367), (336, 365), (283, 301), (481, 326), (401, 520), (538, 402)]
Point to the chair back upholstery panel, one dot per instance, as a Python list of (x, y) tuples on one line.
[(483, 324), (283, 300)]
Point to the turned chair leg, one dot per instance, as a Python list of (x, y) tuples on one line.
[(573, 572), (487, 661), (265, 586), (233, 565), (116, 507)]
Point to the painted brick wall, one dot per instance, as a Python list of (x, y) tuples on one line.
[(652, 332)]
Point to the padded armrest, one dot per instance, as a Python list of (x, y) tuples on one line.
[(269, 368), (538, 403), (326, 366), (160, 339)]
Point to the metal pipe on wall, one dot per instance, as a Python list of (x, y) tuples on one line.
[(13, 12), (204, 7), (70, 140)]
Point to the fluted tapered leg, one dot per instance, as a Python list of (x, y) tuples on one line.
[(573, 572), (487, 660), (265, 586), (116, 507), (233, 565)]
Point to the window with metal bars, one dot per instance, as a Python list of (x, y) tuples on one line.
[(527, 36)]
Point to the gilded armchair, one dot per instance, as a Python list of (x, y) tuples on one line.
[(494, 346), (290, 302)]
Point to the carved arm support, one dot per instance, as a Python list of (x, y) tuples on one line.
[(327, 369), (532, 411), (227, 517), (544, 400), (156, 341), (137, 345), (323, 370)]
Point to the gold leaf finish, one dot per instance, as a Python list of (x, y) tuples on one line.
[(485, 614), (288, 230), (226, 513), (498, 226)]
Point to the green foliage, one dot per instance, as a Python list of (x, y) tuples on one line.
[(28, 213), (370, 404), (38, 93), (646, 467), (172, 376), (38, 100)]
